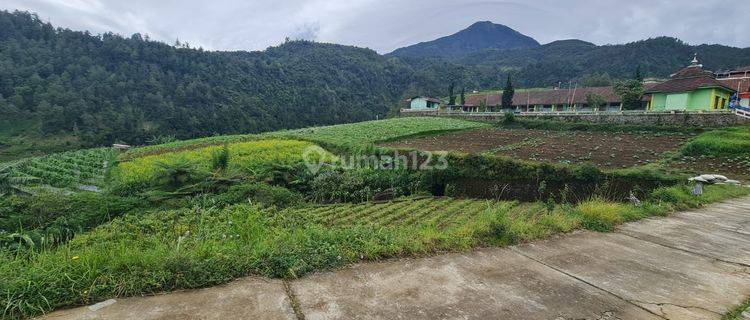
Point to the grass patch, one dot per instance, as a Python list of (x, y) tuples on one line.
[(736, 313), (369, 132), (351, 135), (204, 245), (726, 142), (248, 158)]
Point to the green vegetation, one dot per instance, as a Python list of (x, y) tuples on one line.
[(736, 314), (65, 89), (201, 246), (551, 124), (69, 169), (195, 213), (733, 141), (177, 168), (366, 133), (12, 182)]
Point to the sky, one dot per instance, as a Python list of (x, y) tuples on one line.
[(384, 25)]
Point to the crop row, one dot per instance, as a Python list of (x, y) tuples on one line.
[(441, 212), (69, 169), (352, 134)]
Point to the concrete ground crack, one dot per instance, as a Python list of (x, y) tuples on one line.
[(514, 249), (662, 304), (293, 301), (740, 264)]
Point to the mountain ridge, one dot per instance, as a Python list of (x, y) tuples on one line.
[(478, 36)]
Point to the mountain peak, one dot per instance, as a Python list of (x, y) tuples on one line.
[(479, 36)]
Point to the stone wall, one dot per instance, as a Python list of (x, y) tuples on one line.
[(693, 119)]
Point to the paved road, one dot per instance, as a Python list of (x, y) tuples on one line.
[(692, 265)]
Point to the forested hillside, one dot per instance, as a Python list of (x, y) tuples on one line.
[(62, 89), (107, 88), (570, 59)]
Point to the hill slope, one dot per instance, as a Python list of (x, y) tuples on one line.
[(477, 37), (109, 88), (63, 89)]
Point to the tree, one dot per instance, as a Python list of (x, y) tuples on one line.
[(630, 92), (508, 92), (595, 100), (638, 75), (11, 182), (595, 80), (463, 96), (451, 94)]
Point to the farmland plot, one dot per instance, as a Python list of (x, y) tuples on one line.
[(603, 149), (69, 169)]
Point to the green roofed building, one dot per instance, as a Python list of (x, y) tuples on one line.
[(690, 89)]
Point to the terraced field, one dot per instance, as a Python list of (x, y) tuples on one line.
[(439, 212), (69, 169)]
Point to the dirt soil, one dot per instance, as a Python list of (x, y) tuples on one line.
[(602, 149), (737, 168)]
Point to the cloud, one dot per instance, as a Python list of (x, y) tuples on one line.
[(388, 24)]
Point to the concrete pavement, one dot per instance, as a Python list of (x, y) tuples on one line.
[(692, 265)]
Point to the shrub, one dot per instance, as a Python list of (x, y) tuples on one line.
[(360, 185), (599, 215), (50, 218), (259, 193), (220, 158)]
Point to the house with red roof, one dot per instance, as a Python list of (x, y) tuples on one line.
[(548, 100), (739, 80), (690, 89)]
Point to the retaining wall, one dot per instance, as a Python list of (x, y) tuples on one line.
[(694, 119)]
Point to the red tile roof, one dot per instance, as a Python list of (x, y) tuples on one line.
[(688, 79), (737, 84), (548, 97)]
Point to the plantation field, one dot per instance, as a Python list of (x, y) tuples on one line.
[(441, 213), (164, 250), (343, 135), (363, 133), (603, 149), (245, 157), (69, 169)]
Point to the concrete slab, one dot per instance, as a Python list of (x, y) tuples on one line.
[(486, 284), (732, 215), (672, 283), (248, 298), (687, 234)]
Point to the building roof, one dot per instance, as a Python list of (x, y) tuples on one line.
[(737, 84), (688, 84), (547, 97), (688, 79), (426, 98)]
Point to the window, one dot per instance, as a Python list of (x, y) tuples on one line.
[(723, 102), (716, 103)]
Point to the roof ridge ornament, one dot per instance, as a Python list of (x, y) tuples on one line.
[(695, 62)]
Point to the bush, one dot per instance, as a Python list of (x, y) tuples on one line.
[(220, 158), (331, 185), (50, 218), (599, 215), (259, 193)]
